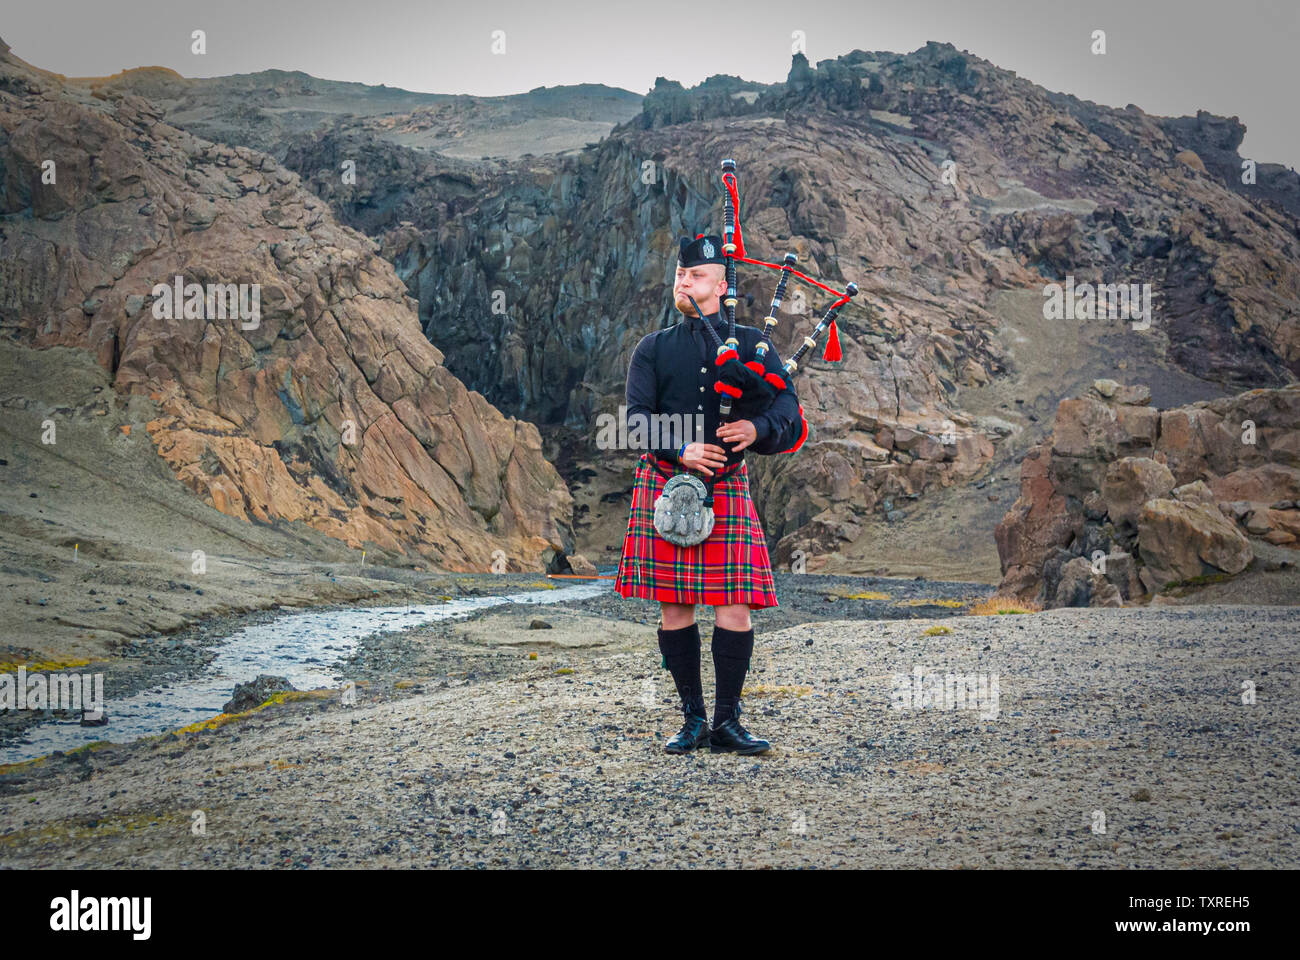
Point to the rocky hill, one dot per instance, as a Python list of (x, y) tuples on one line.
[(264, 110), (952, 191), (325, 405)]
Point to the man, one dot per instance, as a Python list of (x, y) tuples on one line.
[(672, 371)]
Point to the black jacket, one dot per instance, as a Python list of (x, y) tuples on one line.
[(672, 372)]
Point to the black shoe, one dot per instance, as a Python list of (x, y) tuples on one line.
[(694, 733), (730, 737)]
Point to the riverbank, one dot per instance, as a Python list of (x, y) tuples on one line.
[(1133, 714)]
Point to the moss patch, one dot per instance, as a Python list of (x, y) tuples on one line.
[(1192, 582), (41, 666), (774, 690), (72, 831), (221, 719)]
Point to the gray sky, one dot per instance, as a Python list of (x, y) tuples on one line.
[(1170, 58)]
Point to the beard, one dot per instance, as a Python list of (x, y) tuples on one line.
[(684, 305)]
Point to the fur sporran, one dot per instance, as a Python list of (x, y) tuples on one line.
[(681, 515)]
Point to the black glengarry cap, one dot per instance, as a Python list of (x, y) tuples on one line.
[(705, 248)]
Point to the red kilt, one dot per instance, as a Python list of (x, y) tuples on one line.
[(731, 566)]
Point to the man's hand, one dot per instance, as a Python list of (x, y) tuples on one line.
[(699, 456), (740, 432)]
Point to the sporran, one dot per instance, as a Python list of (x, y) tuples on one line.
[(683, 515)]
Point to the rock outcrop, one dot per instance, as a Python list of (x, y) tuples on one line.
[(933, 179), (1134, 498), (319, 401)]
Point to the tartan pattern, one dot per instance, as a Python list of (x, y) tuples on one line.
[(731, 566)]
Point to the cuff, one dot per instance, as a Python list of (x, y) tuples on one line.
[(762, 427)]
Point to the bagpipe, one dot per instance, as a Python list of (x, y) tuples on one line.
[(749, 389)]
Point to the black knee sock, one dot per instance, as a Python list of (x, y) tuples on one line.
[(681, 650), (731, 652)]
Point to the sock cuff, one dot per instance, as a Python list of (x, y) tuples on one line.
[(738, 644), (684, 640)]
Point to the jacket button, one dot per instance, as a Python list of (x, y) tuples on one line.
[(700, 407), (704, 369), (701, 389)]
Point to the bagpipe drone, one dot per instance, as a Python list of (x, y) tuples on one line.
[(748, 389)]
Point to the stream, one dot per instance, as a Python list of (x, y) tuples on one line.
[(304, 648)]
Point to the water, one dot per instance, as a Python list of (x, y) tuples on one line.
[(304, 648)]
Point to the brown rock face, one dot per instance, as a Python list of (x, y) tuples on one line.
[(1038, 522), (1230, 465), (559, 263), (321, 401)]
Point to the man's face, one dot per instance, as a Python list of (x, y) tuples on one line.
[(706, 283)]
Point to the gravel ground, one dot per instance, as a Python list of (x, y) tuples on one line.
[(1130, 721)]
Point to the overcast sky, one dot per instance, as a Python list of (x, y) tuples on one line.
[(1170, 58)]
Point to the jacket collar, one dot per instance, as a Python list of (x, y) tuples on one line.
[(716, 319)]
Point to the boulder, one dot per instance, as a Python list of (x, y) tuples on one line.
[(1286, 522), (1130, 482), (1178, 541), (1120, 569), (1080, 585), (1196, 492), (1267, 483), (1139, 427), (582, 566), (255, 693), (1075, 586)]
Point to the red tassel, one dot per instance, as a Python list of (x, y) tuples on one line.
[(833, 346)]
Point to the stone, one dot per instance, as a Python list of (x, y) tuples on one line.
[(1139, 426), (1130, 482), (1196, 492), (1075, 587), (1257, 522), (1286, 521), (1133, 395), (1106, 594), (581, 566), (1121, 570), (254, 693), (1178, 540), (1188, 158), (1263, 484)]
